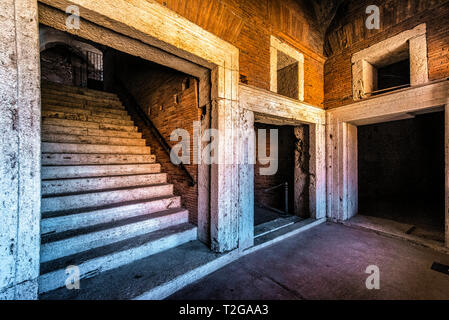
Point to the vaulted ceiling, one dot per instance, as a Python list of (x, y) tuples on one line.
[(325, 11)]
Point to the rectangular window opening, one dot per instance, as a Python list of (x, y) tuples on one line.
[(393, 77), (287, 75)]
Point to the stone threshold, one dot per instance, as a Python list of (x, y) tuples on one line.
[(278, 235), (274, 225), (159, 276), (393, 229)]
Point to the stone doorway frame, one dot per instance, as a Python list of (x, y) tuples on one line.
[(262, 102), (341, 141), (162, 28)]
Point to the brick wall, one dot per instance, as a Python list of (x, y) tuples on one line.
[(349, 35), (167, 116), (248, 24), (313, 81), (154, 87)]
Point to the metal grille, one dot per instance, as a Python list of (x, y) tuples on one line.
[(94, 66), (90, 71)]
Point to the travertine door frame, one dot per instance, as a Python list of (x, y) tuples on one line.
[(341, 136), (160, 27), (56, 19), (255, 100)]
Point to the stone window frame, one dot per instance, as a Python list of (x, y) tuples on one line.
[(411, 43), (275, 46)]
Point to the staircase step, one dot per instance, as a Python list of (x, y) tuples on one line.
[(90, 111), (105, 202), (90, 132), (87, 124), (66, 159), (104, 197), (72, 242), (57, 87), (108, 111), (83, 139), (56, 222), (53, 187), (84, 171), (92, 262), (153, 278), (82, 104), (51, 147), (79, 91), (85, 117), (68, 96)]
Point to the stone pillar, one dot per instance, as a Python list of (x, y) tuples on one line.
[(247, 158), (317, 169), (369, 78), (419, 73), (20, 149), (350, 171), (225, 199)]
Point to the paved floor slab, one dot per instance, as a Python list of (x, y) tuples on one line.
[(328, 262)]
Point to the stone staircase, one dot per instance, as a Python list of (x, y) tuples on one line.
[(105, 202)]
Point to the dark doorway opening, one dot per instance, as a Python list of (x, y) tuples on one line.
[(273, 194), (157, 99), (393, 76), (401, 173), (70, 60), (281, 198)]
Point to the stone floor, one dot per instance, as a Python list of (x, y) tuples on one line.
[(328, 262), (425, 214), (264, 215)]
